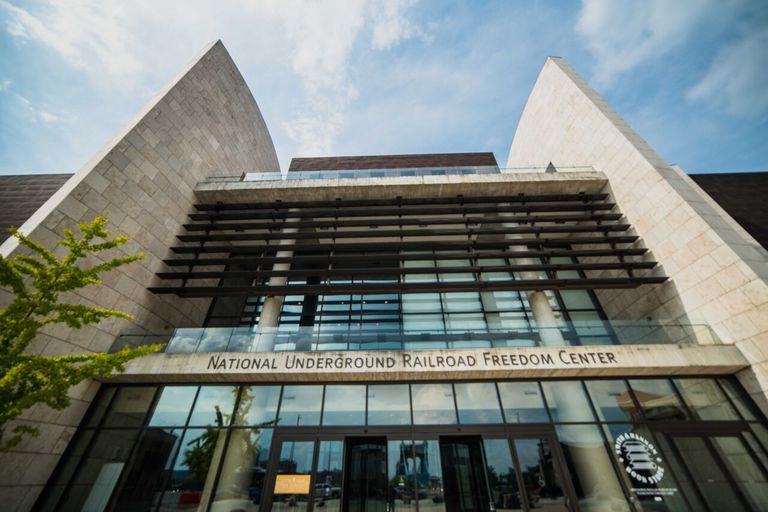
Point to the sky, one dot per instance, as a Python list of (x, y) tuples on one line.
[(355, 77)]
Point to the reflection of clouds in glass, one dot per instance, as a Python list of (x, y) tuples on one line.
[(173, 406), (388, 397), (433, 403), (214, 405)]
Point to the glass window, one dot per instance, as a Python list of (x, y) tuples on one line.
[(744, 469), (344, 405), (258, 406), (433, 404), (99, 471), (612, 400), (194, 470), (389, 404), (56, 488), (567, 401), (99, 408), (461, 302), (658, 399), (130, 406), (522, 402), (300, 405), (543, 483), (502, 480), (577, 299), (241, 484), (645, 468), (173, 407), (296, 458), (213, 406), (401, 461), (328, 480), (478, 403), (705, 399), (428, 470), (597, 486), (143, 478), (740, 399)]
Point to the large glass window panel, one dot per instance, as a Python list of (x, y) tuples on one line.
[(130, 406), (658, 399), (502, 300), (173, 406), (421, 302), (142, 481), (258, 406), (433, 404), (567, 401), (612, 400), (744, 469), (99, 407), (57, 487), (328, 480), (194, 470), (214, 339), (213, 406), (646, 470), (740, 399), (465, 322), (594, 479), (401, 461), (300, 405), (502, 481), (423, 323), (429, 475), (543, 483), (389, 404), (477, 403), (241, 484), (707, 474), (577, 299), (461, 302), (99, 471), (296, 458), (522, 402), (344, 405), (706, 400)]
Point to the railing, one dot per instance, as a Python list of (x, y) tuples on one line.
[(251, 339), (393, 172)]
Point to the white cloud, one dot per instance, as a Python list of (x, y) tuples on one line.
[(40, 114), (87, 35), (737, 79), (621, 34), (390, 25), (119, 44)]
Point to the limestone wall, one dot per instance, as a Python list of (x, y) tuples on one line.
[(205, 123), (718, 273)]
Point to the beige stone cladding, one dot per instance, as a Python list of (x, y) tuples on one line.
[(204, 123), (717, 271)]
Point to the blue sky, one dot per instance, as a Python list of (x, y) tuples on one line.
[(391, 76)]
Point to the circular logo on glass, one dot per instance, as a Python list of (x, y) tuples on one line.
[(640, 458)]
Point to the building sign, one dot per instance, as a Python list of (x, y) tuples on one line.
[(406, 361), (643, 463), (292, 484)]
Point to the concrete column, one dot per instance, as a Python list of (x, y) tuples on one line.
[(270, 312)]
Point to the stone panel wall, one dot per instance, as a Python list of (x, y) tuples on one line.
[(718, 273), (205, 123)]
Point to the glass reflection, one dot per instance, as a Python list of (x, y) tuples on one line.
[(130, 406), (213, 406), (344, 405), (567, 401), (301, 405), (296, 459), (706, 400), (658, 399), (594, 479), (241, 485), (744, 469), (522, 402), (389, 404), (258, 406), (612, 400), (433, 404), (191, 480), (478, 403), (502, 481), (173, 407), (543, 485), (400, 464), (429, 475), (328, 479)]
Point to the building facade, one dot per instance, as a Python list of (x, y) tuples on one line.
[(583, 329)]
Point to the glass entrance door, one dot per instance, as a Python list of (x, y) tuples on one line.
[(366, 479), (464, 478)]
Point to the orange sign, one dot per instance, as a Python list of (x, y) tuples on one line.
[(292, 484)]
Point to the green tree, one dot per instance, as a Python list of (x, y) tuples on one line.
[(36, 280)]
